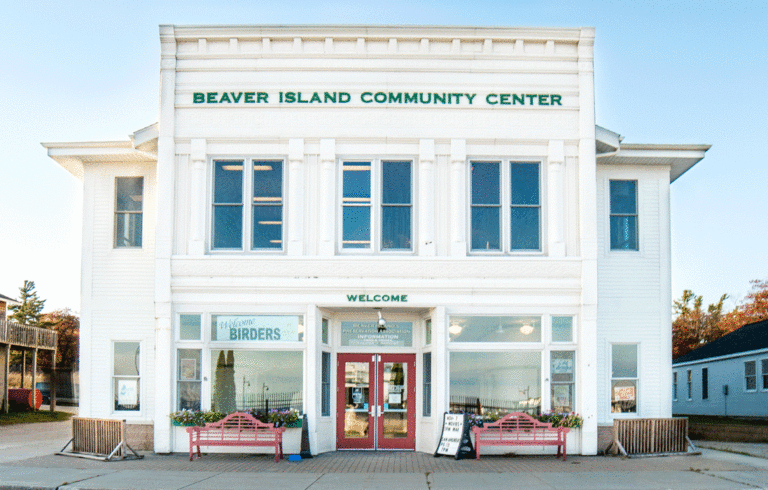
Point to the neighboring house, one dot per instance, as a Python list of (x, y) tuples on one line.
[(728, 376), (5, 303), (301, 181)]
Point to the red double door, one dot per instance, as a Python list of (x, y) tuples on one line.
[(376, 401)]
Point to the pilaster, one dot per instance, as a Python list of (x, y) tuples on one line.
[(426, 192)]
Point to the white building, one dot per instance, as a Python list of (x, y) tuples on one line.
[(452, 179)]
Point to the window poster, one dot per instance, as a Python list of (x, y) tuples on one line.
[(561, 395), (261, 328), (189, 369), (624, 393), (127, 392)]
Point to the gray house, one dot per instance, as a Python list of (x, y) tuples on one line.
[(728, 376)]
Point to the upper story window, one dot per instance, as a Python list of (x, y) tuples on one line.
[(129, 195), (750, 375), (261, 227), (623, 215), (377, 217), (505, 194)]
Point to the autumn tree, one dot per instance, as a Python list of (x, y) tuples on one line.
[(30, 309), (753, 309), (67, 325), (693, 326)]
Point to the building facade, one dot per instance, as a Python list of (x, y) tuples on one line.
[(728, 376), (375, 225)]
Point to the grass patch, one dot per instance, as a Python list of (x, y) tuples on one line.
[(33, 417), (722, 420)]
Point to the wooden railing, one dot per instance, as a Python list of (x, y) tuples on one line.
[(26, 336), (651, 436)]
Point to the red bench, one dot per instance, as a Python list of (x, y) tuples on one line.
[(519, 429), (236, 429)]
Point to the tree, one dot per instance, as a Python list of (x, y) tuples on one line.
[(30, 310), (67, 326), (694, 327), (754, 308)]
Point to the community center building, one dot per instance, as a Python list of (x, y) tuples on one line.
[(375, 225)]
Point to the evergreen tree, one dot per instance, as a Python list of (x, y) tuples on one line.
[(30, 311)]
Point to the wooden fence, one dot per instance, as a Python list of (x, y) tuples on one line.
[(102, 439), (650, 436)]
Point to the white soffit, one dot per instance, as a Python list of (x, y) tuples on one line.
[(679, 158), (73, 156)]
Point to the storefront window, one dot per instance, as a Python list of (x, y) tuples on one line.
[(260, 380), (495, 382), (189, 327), (624, 378), (495, 329), (126, 378), (325, 391), (188, 369), (562, 384), (257, 329), (562, 329)]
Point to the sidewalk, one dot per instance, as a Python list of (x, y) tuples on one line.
[(31, 464)]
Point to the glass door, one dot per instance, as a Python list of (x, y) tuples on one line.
[(376, 401)]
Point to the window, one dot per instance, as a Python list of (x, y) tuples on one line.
[(427, 385), (265, 226), (624, 378), (750, 376), (562, 329), (325, 390), (189, 327), (428, 331), (129, 194), (690, 384), (522, 212), (125, 375), (359, 214), (324, 331), (563, 380), (495, 382), (188, 382), (765, 373), (495, 329), (623, 215), (262, 380), (257, 329), (704, 383), (674, 386)]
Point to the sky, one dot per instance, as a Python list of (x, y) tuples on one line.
[(688, 72)]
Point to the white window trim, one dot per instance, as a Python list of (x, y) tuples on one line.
[(505, 236), (689, 383), (128, 414), (607, 214), (744, 377), (638, 386), (377, 191), (247, 189)]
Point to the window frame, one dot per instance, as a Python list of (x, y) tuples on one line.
[(376, 206), (326, 382), (247, 204), (122, 212), (571, 383), (505, 207), (114, 377), (748, 376), (764, 373), (636, 379), (636, 215)]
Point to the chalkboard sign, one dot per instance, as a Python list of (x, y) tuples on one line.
[(454, 439)]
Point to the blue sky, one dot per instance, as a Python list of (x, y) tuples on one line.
[(665, 72)]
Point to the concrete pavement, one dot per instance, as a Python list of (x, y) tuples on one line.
[(27, 462)]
